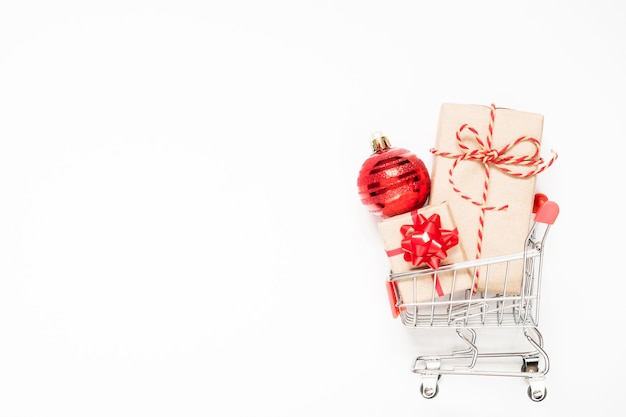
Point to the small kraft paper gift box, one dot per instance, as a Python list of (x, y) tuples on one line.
[(422, 239), (485, 164)]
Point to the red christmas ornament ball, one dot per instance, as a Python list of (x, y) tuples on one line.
[(392, 180)]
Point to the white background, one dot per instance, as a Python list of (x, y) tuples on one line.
[(180, 231)]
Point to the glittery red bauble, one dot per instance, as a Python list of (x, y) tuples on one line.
[(392, 180)]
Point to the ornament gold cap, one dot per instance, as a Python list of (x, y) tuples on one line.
[(379, 142)]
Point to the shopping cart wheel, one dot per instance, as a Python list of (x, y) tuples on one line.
[(536, 384), (430, 387), (537, 394), (530, 365), (429, 392)]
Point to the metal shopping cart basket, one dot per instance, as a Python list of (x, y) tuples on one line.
[(466, 311)]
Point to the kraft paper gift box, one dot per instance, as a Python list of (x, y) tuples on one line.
[(475, 169), (425, 286)]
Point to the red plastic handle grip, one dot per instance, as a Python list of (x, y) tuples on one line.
[(547, 213), (391, 294)]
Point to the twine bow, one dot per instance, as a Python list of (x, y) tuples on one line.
[(530, 164)]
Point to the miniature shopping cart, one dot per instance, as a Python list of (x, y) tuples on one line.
[(466, 310)]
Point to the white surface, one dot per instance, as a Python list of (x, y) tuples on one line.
[(180, 231)]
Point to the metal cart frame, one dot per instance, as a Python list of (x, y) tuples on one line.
[(466, 311)]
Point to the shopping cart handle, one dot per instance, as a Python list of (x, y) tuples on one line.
[(547, 213)]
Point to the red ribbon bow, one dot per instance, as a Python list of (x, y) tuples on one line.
[(426, 242)]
